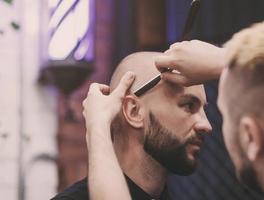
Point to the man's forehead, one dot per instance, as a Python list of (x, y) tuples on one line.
[(195, 91)]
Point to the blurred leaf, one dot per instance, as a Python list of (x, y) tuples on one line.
[(9, 1), (1, 32), (15, 26)]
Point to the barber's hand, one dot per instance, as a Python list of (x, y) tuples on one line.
[(196, 62), (100, 107)]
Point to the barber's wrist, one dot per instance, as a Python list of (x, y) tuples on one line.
[(98, 136), (98, 128), (220, 65)]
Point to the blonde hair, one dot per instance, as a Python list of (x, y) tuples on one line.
[(244, 83), (246, 48)]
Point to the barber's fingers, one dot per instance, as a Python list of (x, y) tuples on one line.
[(105, 89), (172, 47), (176, 44), (99, 89), (124, 84), (96, 89), (167, 61), (175, 78)]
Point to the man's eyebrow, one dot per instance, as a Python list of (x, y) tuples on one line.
[(194, 98)]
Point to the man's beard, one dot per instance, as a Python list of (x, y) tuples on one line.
[(247, 175), (165, 147)]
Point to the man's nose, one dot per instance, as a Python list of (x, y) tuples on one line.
[(203, 125)]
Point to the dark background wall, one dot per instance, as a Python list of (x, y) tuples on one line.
[(126, 26)]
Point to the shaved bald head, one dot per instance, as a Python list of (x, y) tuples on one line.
[(141, 63), (163, 125)]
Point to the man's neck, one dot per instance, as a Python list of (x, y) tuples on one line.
[(142, 169)]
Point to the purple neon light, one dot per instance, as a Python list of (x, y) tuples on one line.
[(72, 28)]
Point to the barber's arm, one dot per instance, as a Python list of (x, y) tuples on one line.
[(106, 180), (196, 61)]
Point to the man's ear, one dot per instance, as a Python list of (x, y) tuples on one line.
[(252, 138), (133, 111)]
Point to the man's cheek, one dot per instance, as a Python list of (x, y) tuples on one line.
[(176, 121)]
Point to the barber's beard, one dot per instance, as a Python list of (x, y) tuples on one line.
[(165, 147), (248, 176)]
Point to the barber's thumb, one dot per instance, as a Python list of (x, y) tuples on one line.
[(125, 83), (164, 62), (174, 78)]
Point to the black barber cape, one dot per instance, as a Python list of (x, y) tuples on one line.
[(78, 191)]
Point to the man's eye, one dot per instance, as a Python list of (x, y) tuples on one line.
[(189, 107)]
